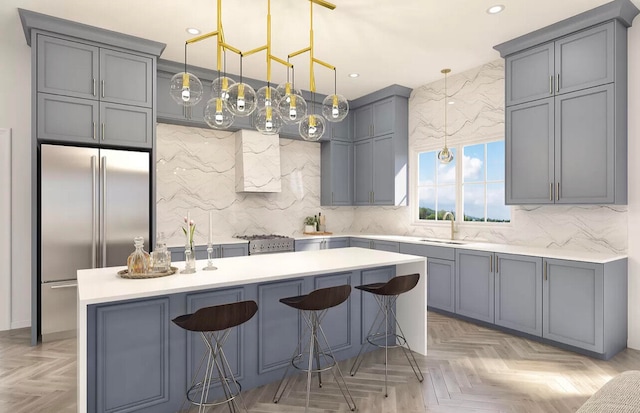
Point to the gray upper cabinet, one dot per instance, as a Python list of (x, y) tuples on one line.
[(529, 153), (336, 170), (566, 116), (575, 62), (585, 154), (363, 172), (126, 78), (529, 75), (79, 70), (375, 174), (89, 94), (475, 285), (518, 293), (376, 119), (67, 68)]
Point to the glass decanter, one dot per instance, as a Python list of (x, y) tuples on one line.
[(138, 261), (161, 257)]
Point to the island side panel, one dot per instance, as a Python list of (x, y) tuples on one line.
[(411, 307)]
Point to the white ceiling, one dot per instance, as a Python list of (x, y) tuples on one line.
[(406, 42)]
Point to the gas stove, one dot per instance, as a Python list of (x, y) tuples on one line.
[(265, 244)]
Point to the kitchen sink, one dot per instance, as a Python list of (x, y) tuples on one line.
[(443, 241)]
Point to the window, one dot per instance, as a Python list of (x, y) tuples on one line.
[(477, 197)]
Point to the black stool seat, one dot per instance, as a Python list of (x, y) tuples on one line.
[(395, 286), (219, 317), (319, 299)]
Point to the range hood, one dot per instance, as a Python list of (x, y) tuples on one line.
[(257, 162)]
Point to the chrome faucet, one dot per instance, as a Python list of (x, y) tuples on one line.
[(444, 218)]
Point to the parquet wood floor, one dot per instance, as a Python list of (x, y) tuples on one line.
[(468, 369)]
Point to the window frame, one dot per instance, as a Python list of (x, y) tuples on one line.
[(459, 218)]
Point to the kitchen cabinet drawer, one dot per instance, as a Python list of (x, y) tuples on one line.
[(233, 250), (429, 251), (375, 244)]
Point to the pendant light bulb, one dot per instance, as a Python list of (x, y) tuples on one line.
[(445, 156), (335, 108), (292, 105), (312, 128), (241, 100), (268, 121), (267, 96), (220, 87), (185, 89), (217, 115)]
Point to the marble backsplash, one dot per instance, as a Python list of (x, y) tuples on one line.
[(195, 172)]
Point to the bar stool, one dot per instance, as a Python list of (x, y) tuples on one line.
[(214, 325), (386, 295), (314, 307)]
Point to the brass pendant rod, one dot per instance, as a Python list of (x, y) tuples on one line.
[(324, 3)]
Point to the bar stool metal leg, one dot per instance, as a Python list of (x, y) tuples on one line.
[(386, 304)]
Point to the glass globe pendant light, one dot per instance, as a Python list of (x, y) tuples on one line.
[(292, 106), (242, 98), (217, 115), (267, 96), (185, 88), (445, 155), (312, 127), (335, 107), (268, 121)]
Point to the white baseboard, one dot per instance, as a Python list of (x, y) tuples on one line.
[(20, 324)]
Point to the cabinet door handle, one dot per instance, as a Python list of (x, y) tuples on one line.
[(93, 86), (550, 191), (93, 129), (545, 271), (491, 263), (558, 191), (497, 265), (221, 251), (102, 88), (373, 197), (102, 130), (558, 82), (551, 85), (332, 198)]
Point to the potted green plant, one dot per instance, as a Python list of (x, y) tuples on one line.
[(310, 224)]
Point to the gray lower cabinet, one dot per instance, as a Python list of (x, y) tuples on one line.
[(441, 274), (475, 284), (585, 304), (375, 244), (233, 250), (518, 293), (139, 361), (336, 170), (316, 244)]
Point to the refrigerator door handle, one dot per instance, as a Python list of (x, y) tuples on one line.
[(103, 230), (94, 207), (55, 287)]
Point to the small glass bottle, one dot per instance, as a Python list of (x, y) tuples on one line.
[(160, 257), (138, 261)]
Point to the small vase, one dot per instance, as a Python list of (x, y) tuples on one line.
[(138, 261), (189, 261)]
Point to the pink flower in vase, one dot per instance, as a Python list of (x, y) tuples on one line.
[(192, 229)]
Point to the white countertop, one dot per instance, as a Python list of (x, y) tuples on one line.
[(104, 285), (584, 256)]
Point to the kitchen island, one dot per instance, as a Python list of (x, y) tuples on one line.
[(132, 358)]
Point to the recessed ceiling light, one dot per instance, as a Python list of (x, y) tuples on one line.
[(354, 74), (495, 9), (193, 30), (451, 102)]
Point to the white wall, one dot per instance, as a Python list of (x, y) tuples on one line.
[(634, 183), (15, 113), (5, 226)]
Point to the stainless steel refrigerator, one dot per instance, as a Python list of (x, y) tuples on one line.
[(93, 202)]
